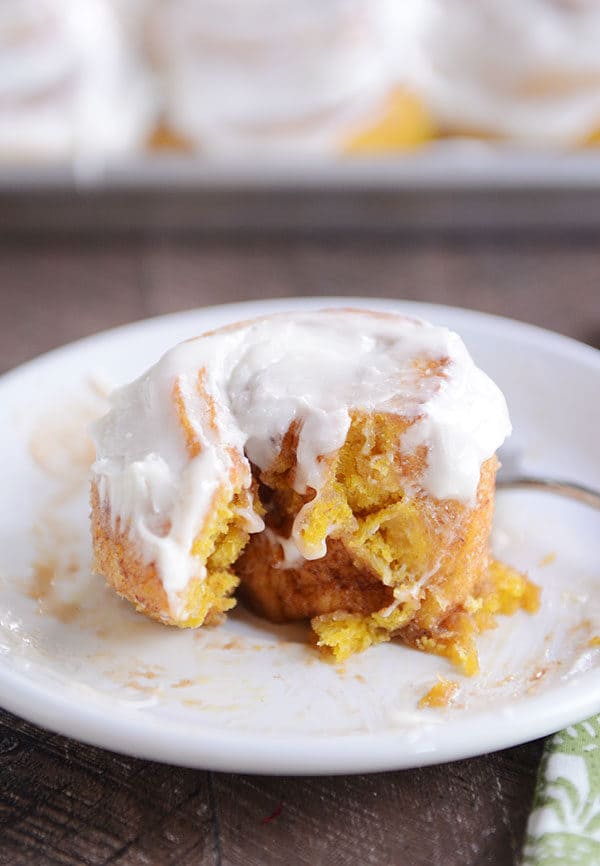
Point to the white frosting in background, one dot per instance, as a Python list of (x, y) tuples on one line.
[(71, 83), (308, 368), (525, 69), (296, 73), (86, 78), (292, 73)]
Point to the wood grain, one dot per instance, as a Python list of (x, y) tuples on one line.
[(66, 803), (58, 290), (471, 812), (73, 805)]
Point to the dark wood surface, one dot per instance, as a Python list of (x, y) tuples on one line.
[(66, 803)]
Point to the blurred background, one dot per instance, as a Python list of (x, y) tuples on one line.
[(163, 154), (90, 80)]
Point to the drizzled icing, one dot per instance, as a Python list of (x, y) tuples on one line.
[(258, 378)]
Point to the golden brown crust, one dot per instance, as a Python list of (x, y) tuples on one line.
[(116, 558)]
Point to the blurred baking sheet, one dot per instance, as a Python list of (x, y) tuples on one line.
[(449, 186)]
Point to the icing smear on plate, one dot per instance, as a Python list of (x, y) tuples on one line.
[(243, 387)]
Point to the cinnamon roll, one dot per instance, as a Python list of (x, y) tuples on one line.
[(337, 466)]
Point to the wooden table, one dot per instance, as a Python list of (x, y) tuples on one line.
[(65, 803)]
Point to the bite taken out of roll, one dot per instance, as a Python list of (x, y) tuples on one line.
[(338, 464)]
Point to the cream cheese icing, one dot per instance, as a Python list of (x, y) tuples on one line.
[(309, 368), (71, 81)]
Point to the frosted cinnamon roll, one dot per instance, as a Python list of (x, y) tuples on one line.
[(339, 465), (70, 82), (526, 70), (281, 74)]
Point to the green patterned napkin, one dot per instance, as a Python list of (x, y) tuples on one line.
[(564, 826)]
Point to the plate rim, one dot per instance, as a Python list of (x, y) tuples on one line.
[(232, 751)]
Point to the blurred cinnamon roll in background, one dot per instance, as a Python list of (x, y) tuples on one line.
[(279, 74), (258, 77), (70, 82), (523, 70)]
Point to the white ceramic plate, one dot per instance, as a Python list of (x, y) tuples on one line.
[(251, 697)]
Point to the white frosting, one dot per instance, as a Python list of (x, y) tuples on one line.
[(281, 72), (289, 75), (71, 83), (290, 555), (526, 69), (311, 369)]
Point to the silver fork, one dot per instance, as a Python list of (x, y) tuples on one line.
[(511, 476)]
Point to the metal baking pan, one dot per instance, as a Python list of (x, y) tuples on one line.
[(449, 186)]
